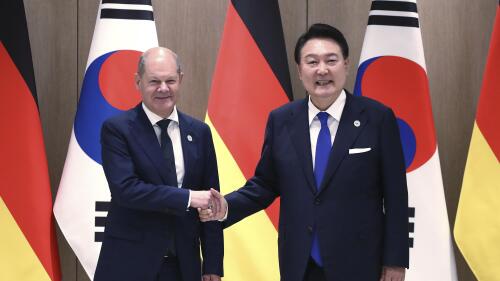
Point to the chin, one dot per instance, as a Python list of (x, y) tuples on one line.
[(323, 94)]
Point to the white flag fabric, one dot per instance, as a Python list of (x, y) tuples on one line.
[(392, 70), (122, 32)]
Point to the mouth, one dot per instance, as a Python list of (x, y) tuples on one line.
[(163, 98), (323, 82)]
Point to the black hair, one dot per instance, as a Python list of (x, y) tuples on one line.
[(324, 31)]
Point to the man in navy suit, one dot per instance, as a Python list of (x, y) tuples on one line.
[(159, 164), (337, 164)]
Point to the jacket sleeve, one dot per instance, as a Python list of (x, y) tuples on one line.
[(127, 188), (396, 247), (211, 236), (260, 190)]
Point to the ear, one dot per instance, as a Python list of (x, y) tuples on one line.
[(299, 71), (180, 77), (137, 79), (346, 65)]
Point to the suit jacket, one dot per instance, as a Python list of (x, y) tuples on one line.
[(145, 211), (356, 235)]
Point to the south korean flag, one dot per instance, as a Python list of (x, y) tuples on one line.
[(122, 32), (392, 70)]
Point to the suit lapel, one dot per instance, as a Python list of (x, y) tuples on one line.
[(299, 132), (146, 136), (189, 141), (347, 133)]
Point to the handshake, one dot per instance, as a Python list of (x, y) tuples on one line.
[(211, 204)]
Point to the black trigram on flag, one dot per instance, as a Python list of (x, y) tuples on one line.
[(411, 226), (100, 219), (119, 9), (396, 13)]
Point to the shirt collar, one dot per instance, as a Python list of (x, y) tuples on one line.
[(335, 110), (153, 117)]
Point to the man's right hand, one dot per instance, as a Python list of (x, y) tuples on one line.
[(201, 199), (217, 210), (392, 273)]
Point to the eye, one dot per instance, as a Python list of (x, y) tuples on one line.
[(332, 61), (312, 62)]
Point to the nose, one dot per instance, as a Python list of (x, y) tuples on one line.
[(163, 87), (322, 68)]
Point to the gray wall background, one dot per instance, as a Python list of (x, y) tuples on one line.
[(456, 36)]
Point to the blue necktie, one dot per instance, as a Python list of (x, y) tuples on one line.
[(323, 147)]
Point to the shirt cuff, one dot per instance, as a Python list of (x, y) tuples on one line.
[(189, 201), (227, 212)]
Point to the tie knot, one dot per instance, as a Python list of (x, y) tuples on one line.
[(323, 118), (163, 124)]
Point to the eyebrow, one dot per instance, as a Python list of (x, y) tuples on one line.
[(169, 77), (321, 55)]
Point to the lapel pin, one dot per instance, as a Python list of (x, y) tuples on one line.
[(357, 123), (190, 138)]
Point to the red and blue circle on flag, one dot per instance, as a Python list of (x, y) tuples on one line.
[(402, 85), (108, 89)]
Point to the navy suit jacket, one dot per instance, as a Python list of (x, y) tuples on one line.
[(145, 211), (361, 211)]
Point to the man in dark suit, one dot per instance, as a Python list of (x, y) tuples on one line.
[(159, 164), (337, 164)]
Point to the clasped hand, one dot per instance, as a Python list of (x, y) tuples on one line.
[(211, 204)]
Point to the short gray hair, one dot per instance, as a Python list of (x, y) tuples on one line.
[(142, 64)]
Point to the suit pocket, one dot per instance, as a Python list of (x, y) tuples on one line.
[(359, 155), (359, 150)]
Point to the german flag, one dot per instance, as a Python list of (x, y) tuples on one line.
[(251, 78), (28, 247), (477, 225)]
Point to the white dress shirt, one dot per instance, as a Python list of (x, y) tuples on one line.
[(174, 133), (334, 114)]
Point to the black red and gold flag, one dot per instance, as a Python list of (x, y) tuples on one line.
[(476, 223), (27, 238), (251, 78)]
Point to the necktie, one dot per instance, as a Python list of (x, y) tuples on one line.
[(168, 153), (323, 147)]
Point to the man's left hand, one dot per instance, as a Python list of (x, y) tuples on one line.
[(210, 277), (391, 273)]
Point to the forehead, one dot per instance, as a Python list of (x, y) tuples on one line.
[(320, 47), (163, 65)]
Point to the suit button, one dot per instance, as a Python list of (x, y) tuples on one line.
[(310, 229), (317, 201)]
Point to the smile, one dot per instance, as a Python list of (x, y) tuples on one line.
[(323, 82)]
